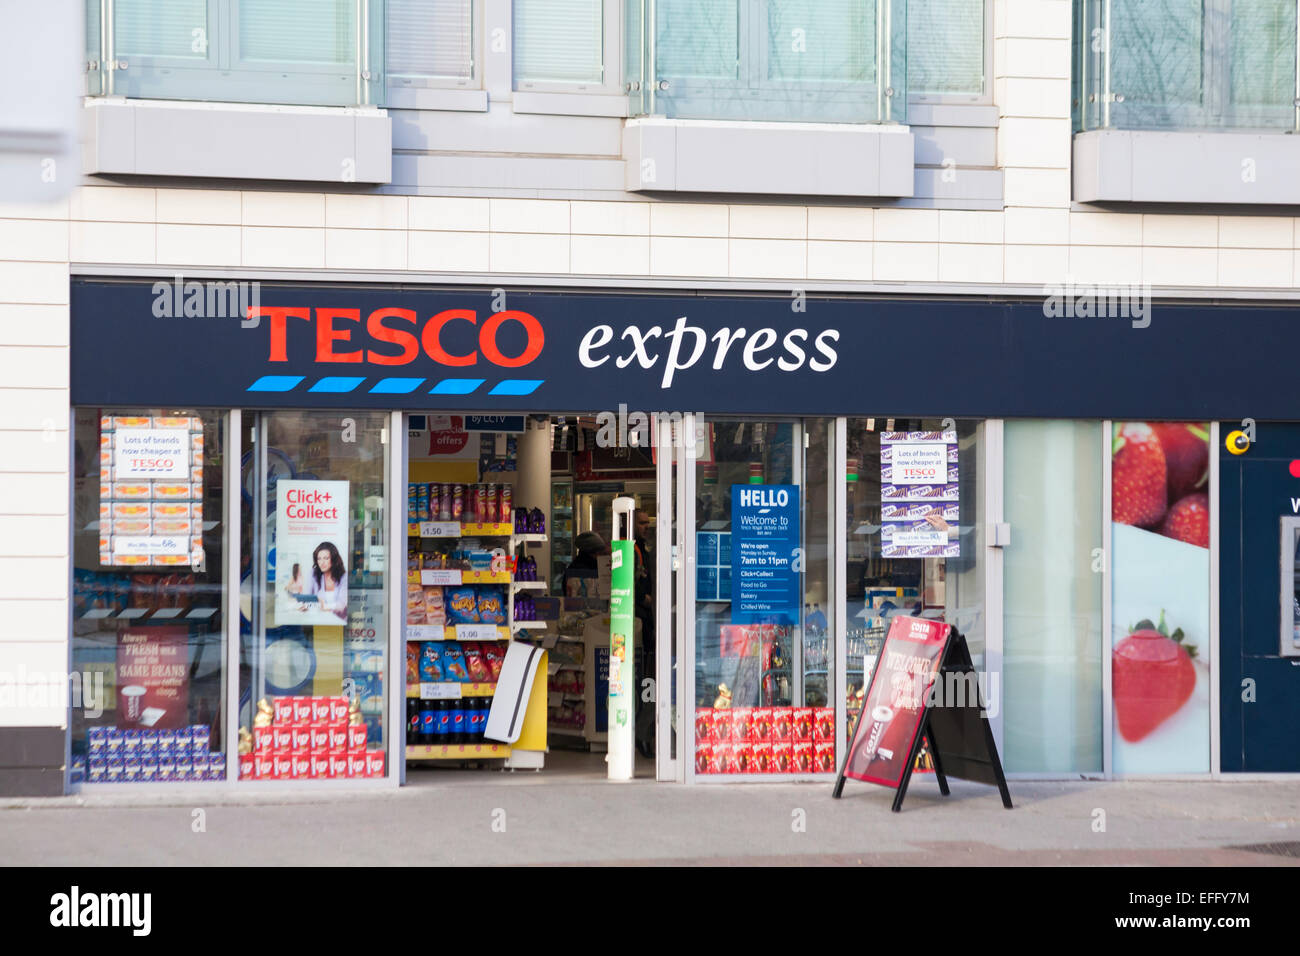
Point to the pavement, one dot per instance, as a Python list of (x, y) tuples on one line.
[(570, 814)]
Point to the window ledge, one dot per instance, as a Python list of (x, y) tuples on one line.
[(570, 104), (433, 98), (808, 159), (238, 140), (1186, 166)]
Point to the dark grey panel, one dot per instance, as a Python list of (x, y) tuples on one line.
[(28, 747), (31, 783)]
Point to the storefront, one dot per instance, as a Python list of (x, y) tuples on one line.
[(297, 516)]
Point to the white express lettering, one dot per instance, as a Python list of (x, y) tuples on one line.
[(596, 337)]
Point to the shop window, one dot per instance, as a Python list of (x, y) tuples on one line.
[(764, 612), (149, 596), (1053, 594), (1160, 593), (314, 621), (914, 512)]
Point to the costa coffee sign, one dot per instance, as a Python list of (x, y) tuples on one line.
[(290, 345)]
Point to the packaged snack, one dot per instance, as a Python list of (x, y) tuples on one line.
[(458, 503), (444, 501), (824, 756), (412, 514), (434, 611), (823, 724), (722, 759), (462, 605), (761, 725), (782, 725), (741, 729), (742, 756), (430, 560), (185, 489), (453, 663), (127, 490), (431, 662), (475, 664), (782, 757), (703, 724), (802, 720), (762, 761), (494, 657), (802, 753), (505, 505), (491, 606), (414, 604), (412, 663), (721, 726), (703, 756)]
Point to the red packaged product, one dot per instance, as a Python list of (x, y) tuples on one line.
[(320, 739), (338, 765), (357, 764), (760, 724), (824, 756), (283, 766), (803, 723), (357, 738), (301, 766), (722, 751), (412, 668), (722, 726), (494, 657), (339, 704), (762, 760), (783, 757), (302, 739), (320, 710), (247, 767), (264, 740), (703, 756), (703, 724), (506, 513), (302, 710), (338, 739), (320, 766), (282, 739), (741, 754), (374, 763), (782, 726), (283, 707), (824, 724), (802, 751), (474, 662), (263, 766)]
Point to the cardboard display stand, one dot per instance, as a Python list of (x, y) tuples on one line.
[(924, 687)]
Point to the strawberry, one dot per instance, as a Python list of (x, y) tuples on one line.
[(1189, 520), (1138, 483), (1187, 454), (1152, 676)]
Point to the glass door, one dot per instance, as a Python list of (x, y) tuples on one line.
[(314, 628)]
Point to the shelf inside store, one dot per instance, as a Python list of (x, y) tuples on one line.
[(453, 577), (466, 632), (529, 625), (531, 538), (466, 690), (483, 751), (460, 529), (529, 585)]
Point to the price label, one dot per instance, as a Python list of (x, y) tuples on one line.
[(476, 632), (439, 529), (440, 690), (424, 632), (431, 577)]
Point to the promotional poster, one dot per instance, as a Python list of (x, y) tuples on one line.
[(764, 544), (891, 718), (153, 677), (311, 541)]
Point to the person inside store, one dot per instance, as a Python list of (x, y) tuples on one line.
[(584, 567), (329, 580), (643, 593)]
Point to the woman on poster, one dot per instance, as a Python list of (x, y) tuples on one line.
[(329, 580)]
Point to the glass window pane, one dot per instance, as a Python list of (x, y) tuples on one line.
[(148, 28), (697, 38), (1160, 589), (821, 40), (763, 621), (1263, 42), (431, 38), (316, 622), (298, 31), (945, 46), (559, 41), (1156, 55), (1052, 717), (148, 558)]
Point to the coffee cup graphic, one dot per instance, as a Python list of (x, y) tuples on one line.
[(132, 703)]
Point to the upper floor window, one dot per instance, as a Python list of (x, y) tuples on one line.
[(1186, 64), (559, 43), (430, 43), (946, 48)]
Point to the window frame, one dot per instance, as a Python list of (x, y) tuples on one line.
[(415, 81)]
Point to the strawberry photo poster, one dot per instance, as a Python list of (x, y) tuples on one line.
[(1160, 572)]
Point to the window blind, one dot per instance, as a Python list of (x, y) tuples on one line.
[(945, 46), (431, 38), (149, 28), (559, 41), (298, 31)]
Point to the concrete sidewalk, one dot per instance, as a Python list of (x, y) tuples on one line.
[(487, 817)]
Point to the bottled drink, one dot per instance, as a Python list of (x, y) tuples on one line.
[(428, 721)]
